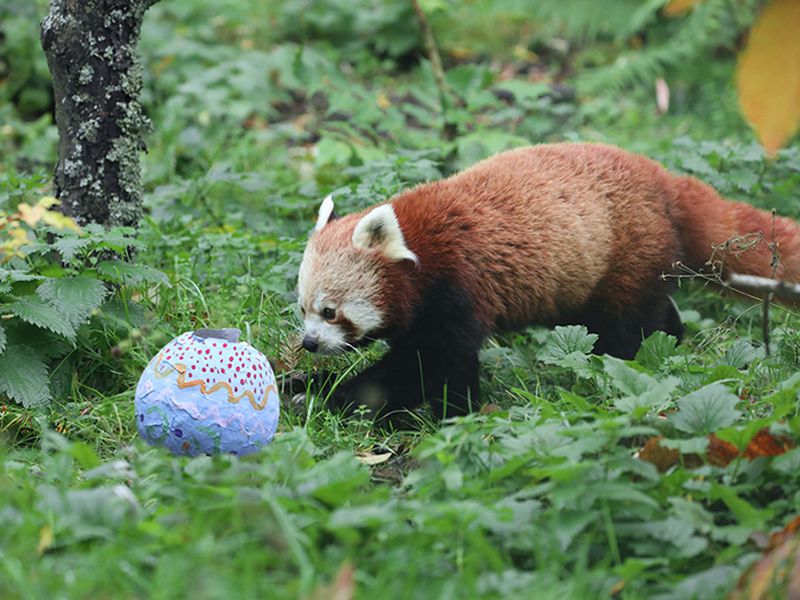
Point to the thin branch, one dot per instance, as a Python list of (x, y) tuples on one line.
[(436, 65)]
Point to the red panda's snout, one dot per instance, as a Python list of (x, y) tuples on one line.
[(338, 328)]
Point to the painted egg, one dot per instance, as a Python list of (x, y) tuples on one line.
[(205, 393)]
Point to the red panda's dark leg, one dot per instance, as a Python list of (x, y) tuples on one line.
[(435, 361), (621, 334)]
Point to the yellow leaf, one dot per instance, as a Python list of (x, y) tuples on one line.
[(48, 201), (30, 214), (383, 101), (60, 221), (45, 539), (676, 8), (768, 74), (373, 459), (16, 238)]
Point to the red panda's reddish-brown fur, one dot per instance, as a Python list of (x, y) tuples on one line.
[(555, 233), (535, 233)]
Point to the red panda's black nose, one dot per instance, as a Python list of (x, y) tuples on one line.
[(310, 344)]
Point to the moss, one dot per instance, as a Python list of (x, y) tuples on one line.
[(88, 129), (73, 168), (132, 79), (86, 74)]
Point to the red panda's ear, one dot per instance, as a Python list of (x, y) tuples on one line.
[(379, 230), (326, 213)]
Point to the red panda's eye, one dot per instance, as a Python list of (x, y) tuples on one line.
[(302, 311), (328, 314)]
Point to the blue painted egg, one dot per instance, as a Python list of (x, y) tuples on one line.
[(206, 393)]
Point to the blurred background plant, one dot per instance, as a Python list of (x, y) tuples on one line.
[(259, 110)]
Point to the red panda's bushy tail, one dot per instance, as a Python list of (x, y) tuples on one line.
[(736, 236)]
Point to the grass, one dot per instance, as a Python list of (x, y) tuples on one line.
[(544, 493)]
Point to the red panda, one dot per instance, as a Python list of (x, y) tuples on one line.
[(549, 234)]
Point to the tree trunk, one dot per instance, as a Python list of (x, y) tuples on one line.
[(97, 77)]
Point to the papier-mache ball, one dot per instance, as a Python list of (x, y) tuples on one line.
[(205, 393)]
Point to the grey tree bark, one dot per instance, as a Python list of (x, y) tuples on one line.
[(91, 50)]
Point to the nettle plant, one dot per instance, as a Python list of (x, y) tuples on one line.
[(53, 276)]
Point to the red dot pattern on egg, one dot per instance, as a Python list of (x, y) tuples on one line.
[(246, 363)]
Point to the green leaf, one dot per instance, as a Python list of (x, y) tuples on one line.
[(123, 272), (76, 297), (85, 455), (35, 311), (69, 247), (784, 399), (706, 410), (675, 531), (524, 90), (626, 379), (15, 275), (723, 372), (564, 340), (656, 349), (789, 463), (332, 152), (740, 354), (642, 391), (746, 513), (654, 398), (23, 376), (3, 339), (711, 583), (334, 480), (693, 445)]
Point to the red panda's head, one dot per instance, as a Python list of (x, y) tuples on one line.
[(345, 285)]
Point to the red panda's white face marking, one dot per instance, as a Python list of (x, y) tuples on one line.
[(339, 284)]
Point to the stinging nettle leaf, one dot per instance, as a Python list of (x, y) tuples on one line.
[(75, 297), (69, 246), (15, 275), (23, 376), (123, 272), (36, 311), (704, 411)]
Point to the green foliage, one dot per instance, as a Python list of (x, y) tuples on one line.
[(259, 111), (23, 376), (24, 78), (712, 24), (707, 410), (352, 25), (49, 288), (588, 19)]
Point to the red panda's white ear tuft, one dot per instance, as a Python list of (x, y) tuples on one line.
[(325, 213), (380, 230)]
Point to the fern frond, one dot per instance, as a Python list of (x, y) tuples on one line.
[(711, 24), (589, 19)]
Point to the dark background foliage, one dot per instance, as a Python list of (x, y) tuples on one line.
[(259, 109)]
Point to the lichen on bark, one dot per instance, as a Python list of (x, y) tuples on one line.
[(91, 49)]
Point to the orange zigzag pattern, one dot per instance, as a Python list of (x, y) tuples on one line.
[(232, 398)]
